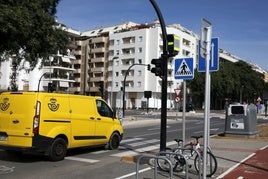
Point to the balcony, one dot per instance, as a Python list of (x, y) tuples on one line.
[(99, 39), (77, 62), (98, 69), (94, 89), (78, 52), (99, 59), (96, 79), (98, 50)]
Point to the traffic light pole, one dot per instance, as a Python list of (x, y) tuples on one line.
[(163, 129), (124, 85)]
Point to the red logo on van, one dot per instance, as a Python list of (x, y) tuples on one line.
[(53, 106), (5, 104)]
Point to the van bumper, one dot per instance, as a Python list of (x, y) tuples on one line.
[(40, 144)]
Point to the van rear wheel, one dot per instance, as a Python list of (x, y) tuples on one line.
[(58, 149), (114, 141)]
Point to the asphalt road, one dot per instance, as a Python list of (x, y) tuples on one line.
[(100, 163)]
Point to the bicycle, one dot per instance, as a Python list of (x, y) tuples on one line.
[(178, 155)]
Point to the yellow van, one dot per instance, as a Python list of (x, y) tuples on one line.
[(51, 123)]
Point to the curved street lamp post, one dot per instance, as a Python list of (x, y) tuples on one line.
[(124, 83)]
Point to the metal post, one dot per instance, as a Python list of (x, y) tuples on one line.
[(183, 111), (206, 33), (207, 40), (163, 130), (40, 80), (124, 85)]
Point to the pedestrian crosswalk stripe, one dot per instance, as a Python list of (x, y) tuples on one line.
[(141, 150), (143, 143), (130, 140), (82, 159)]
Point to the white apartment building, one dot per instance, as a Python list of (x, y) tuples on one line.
[(59, 69), (111, 54), (137, 47)]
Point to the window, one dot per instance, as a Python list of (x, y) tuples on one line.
[(103, 109), (139, 73), (140, 38), (111, 42), (139, 84), (140, 50)]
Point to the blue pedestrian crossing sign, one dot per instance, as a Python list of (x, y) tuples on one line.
[(214, 57), (184, 68)]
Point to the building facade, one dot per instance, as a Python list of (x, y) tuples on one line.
[(117, 57), (130, 52)]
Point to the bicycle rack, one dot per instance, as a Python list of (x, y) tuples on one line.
[(169, 162), (155, 165), (181, 155)]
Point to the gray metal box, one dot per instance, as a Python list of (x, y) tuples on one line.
[(241, 119)]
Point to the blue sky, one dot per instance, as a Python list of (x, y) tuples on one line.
[(241, 25)]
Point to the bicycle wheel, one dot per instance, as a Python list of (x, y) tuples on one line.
[(163, 164), (211, 165)]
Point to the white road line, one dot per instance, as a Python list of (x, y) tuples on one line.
[(264, 147), (100, 152), (140, 150), (133, 173), (82, 159), (143, 142), (130, 140)]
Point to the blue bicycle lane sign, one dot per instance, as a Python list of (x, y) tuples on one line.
[(184, 68)]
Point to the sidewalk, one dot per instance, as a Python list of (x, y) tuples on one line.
[(238, 157)]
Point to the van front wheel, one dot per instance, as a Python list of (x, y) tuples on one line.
[(58, 149), (114, 141)]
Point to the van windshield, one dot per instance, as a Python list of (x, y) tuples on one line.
[(104, 109)]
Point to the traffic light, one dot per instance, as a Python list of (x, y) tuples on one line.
[(173, 45), (101, 88), (149, 67), (158, 69)]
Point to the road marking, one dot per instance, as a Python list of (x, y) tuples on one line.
[(233, 167), (100, 152), (156, 128), (141, 150), (133, 173), (5, 169), (143, 143), (82, 159), (130, 140), (264, 147)]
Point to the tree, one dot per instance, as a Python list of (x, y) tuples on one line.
[(28, 30), (234, 81)]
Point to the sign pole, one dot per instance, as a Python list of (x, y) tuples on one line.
[(183, 112), (206, 32)]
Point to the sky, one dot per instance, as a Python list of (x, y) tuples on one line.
[(240, 25)]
